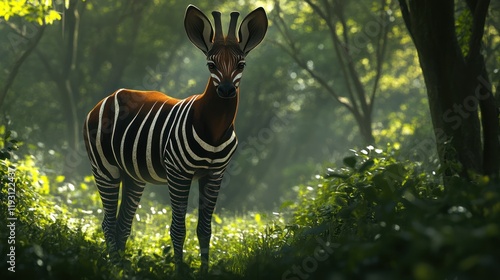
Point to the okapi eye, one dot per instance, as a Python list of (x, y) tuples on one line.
[(211, 65), (241, 65)]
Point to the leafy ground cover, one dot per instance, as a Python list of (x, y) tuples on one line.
[(375, 217)]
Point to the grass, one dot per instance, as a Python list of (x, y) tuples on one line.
[(375, 217), (59, 236)]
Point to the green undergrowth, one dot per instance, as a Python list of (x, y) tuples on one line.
[(380, 218), (375, 217), (58, 236)]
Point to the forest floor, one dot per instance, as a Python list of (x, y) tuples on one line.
[(374, 218)]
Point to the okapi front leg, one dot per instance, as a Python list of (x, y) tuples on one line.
[(209, 191), (178, 186)]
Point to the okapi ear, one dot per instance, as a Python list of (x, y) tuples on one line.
[(199, 29), (253, 28)]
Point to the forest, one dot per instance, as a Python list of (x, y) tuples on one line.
[(368, 140)]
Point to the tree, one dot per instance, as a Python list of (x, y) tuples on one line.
[(357, 44), (65, 69), (35, 16), (461, 98)]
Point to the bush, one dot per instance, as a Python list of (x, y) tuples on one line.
[(380, 218), (44, 244)]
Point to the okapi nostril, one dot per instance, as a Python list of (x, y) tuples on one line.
[(226, 90)]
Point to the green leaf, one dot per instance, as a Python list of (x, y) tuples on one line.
[(350, 161), (366, 165), (4, 154), (396, 172), (257, 218), (217, 219), (52, 16), (380, 181), (337, 175)]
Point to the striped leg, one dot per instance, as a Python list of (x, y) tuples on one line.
[(178, 186), (131, 196), (209, 190), (108, 191)]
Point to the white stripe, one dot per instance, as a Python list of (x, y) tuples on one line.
[(113, 170), (122, 144), (93, 159), (149, 161), (215, 77), (207, 147), (180, 147), (227, 157), (186, 148), (181, 125), (177, 161), (237, 77), (178, 104), (117, 113), (210, 148), (183, 113), (136, 143)]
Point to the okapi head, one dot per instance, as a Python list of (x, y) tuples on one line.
[(225, 54)]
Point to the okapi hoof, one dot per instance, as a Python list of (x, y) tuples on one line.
[(203, 271), (115, 258), (182, 269)]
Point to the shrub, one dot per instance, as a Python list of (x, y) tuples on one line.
[(387, 219)]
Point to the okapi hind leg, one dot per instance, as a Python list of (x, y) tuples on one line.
[(131, 196), (109, 191)]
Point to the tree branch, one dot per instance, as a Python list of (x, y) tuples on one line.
[(351, 75), (380, 55), (318, 10), (479, 18), (17, 65), (295, 56), (292, 50), (339, 12), (341, 53)]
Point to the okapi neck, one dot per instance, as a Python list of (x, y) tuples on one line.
[(214, 116)]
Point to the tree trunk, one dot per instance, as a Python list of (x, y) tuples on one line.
[(490, 125), (455, 88), (365, 129), (66, 88)]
